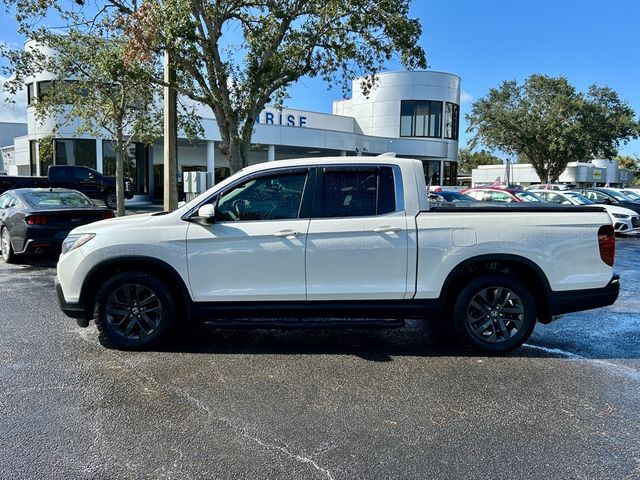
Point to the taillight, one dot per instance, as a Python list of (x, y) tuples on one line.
[(36, 220), (106, 215), (607, 244)]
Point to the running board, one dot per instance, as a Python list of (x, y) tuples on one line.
[(304, 323)]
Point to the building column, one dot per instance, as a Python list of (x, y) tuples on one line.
[(441, 172), (99, 165), (211, 160), (271, 153)]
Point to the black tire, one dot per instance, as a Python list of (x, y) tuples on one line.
[(500, 302), (134, 310), (111, 200), (8, 255)]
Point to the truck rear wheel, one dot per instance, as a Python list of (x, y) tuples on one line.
[(134, 310), (111, 200), (495, 313)]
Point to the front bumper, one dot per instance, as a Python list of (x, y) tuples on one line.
[(72, 310), (578, 300)]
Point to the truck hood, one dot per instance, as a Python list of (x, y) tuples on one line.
[(115, 223)]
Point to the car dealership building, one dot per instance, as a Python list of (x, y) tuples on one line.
[(413, 114)]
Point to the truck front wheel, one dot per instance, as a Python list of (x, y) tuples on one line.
[(495, 313), (134, 310)]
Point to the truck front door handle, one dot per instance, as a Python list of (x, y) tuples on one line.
[(286, 233), (387, 229)]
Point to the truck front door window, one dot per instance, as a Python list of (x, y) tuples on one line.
[(274, 197)]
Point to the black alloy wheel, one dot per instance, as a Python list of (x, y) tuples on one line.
[(134, 310), (495, 313), (111, 200), (6, 248)]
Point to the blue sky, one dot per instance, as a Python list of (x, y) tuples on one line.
[(487, 42)]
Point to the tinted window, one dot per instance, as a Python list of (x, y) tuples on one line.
[(4, 200), (455, 197), (358, 192), (57, 199), (264, 198), (501, 197), (528, 197), (578, 198), (618, 196), (632, 195)]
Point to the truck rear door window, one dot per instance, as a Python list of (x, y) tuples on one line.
[(357, 192)]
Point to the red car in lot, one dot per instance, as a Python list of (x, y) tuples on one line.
[(502, 194)]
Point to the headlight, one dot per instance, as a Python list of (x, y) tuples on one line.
[(75, 241), (620, 215)]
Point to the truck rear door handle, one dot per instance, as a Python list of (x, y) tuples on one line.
[(387, 229), (286, 233)]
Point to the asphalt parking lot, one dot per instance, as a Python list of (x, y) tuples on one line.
[(309, 404)]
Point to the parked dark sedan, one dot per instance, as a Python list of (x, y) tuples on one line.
[(37, 220), (610, 197)]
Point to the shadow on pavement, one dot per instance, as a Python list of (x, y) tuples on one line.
[(418, 339)]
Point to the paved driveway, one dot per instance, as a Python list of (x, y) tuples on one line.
[(327, 404)]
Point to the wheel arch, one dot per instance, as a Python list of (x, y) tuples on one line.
[(152, 266), (525, 269)]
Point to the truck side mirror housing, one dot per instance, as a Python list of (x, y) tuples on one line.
[(206, 215)]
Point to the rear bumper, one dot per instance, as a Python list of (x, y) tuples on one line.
[(578, 300), (72, 310)]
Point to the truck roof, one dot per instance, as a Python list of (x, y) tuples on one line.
[(337, 160)]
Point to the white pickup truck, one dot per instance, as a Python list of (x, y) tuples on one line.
[(284, 243)]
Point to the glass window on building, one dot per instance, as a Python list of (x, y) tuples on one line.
[(407, 112), (45, 155), (136, 164), (451, 121), (33, 158), (31, 93), (431, 172), (420, 118), (450, 173), (43, 87), (74, 151)]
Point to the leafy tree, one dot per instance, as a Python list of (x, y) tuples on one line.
[(237, 56), (93, 84), (468, 159), (547, 123)]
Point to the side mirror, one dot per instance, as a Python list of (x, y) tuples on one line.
[(92, 176), (206, 215)]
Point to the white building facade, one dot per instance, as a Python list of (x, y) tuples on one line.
[(414, 114), (595, 173)]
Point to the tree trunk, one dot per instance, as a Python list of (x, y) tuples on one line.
[(237, 156), (170, 148), (120, 175)]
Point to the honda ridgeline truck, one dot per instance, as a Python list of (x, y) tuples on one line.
[(284, 243)]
